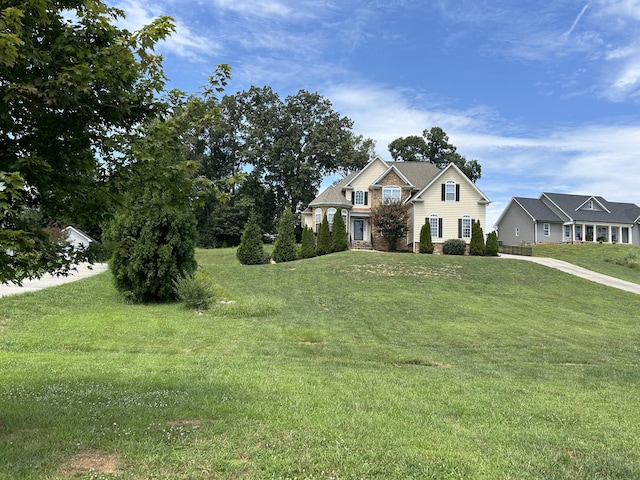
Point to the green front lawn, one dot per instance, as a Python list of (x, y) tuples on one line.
[(600, 257), (353, 365)]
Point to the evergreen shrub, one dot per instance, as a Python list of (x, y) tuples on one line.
[(454, 246), (323, 243), (285, 245), (476, 246), (426, 243), (339, 234), (308, 248), (492, 244), (251, 249)]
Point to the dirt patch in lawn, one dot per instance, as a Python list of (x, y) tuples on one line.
[(390, 270), (91, 461)]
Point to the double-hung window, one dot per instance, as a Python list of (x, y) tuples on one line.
[(466, 226), (390, 194), (546, 229), (360, 198), (433, 223)]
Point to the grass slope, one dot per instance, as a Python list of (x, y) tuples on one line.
[(352, 365), (603, 258)]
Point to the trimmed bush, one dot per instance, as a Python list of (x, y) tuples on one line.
[(251, 249), (492, 244), (284, 249), (476, 246), (339, 241), (323, 244), (308, 249), (150, 248), (455, 246), (426, 243), (195, 290)]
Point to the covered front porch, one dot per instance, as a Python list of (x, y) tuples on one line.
[(360, 231), (593, 232)]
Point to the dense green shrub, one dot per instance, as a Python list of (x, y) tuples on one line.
[(150, 248), (323, 243), (195, 290), (476, 246), (455, 246), (339, 234), (284, 249), (251, 249), (492, 244), (426, 243), (308, 248)]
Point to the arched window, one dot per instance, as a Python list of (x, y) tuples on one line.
[(344, 216), (331, 213), (360, 198), (318, 218)]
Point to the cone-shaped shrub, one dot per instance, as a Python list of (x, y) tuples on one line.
[(339, 234), (492, 244), (308, 249), (251, 249), (476, 246), (284, 249), (323, 244), (426, 244)]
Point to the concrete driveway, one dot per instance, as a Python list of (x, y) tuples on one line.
[(579, 272), (84, 270)]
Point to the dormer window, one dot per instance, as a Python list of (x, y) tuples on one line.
[(590, 204)]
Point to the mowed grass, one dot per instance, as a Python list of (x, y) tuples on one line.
[(600, 257), (352, 365)]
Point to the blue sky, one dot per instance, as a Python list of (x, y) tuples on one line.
[(545, 95)]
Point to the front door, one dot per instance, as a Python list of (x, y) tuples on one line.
[(358, 230)]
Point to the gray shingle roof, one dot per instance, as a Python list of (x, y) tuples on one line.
[(538, 210), (618, 212), (331, 196)]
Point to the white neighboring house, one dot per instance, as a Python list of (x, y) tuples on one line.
[(77, 238)]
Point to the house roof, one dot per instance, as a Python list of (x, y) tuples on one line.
[(537, 209), (614, 212), (572, 208), (483, 198), (331, 196)]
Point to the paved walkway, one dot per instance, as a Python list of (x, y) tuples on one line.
[(51, 281), (579, 272)]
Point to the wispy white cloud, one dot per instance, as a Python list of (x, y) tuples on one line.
[(184, 42), (597, 159)]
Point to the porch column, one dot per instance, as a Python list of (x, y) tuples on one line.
[(609, 229)]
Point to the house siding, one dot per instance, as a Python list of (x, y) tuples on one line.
[(516, 217), (450, 211)]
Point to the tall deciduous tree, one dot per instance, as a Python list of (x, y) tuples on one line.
[(293, 144), (433, 147), (69, 81)]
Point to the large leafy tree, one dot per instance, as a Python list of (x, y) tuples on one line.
[(293, 144), (284, 148), (434, 147), (70, 82)]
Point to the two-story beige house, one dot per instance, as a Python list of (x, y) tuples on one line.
[(445, 199)]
